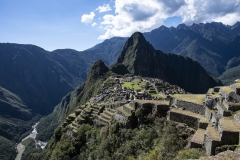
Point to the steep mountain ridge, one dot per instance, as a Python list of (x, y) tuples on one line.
[(140, 58)]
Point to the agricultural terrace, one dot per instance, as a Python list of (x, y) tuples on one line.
[(194, 98)]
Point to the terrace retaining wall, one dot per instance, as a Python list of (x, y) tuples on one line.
[(189, 120), (193, 107)]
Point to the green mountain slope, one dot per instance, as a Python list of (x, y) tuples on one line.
[(230, 75)]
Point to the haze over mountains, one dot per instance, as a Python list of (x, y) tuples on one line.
[(33, 80)]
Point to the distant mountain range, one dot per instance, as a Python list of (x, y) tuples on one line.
[(214, 45)]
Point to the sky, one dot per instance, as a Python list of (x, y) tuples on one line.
[(81, 24)]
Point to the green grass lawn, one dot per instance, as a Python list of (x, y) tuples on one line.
[(194, 98), (129, 85)]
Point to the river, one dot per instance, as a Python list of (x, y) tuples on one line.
[(20, 147)]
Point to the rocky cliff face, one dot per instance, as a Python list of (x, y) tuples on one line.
[(141, 58)]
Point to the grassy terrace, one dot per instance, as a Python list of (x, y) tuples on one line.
[(199, 136), (210, 90), (128, 106), (229, 124), (194, 98), (213, 133), (237, 85), (136, 84), (153, 102), (189, 113), (227, 89)]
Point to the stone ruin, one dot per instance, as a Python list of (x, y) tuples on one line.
[(215, 115), (216, 119)]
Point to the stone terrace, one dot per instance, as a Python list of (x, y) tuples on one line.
[(215, 116)]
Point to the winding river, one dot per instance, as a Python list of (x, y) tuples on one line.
[(20, 147)]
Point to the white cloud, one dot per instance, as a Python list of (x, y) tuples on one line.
[(87, 18), (196, 11), (104, 8), (94, 24), (146, 15)]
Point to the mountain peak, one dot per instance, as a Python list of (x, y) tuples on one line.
[(98, 68), (138, 37), (132, 46)]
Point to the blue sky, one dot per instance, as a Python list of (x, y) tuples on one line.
[(81, 24)]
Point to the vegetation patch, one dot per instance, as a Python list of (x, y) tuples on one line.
[(7, 149), (131, 85), (159, 138), (191, 153), (30, 147)]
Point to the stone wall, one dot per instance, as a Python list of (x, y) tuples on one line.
[(208, 113), (222, 110), (215, 119), (237, 118), (232, 106), (229, 138), (120, 118), (195, 108), (234, 96), (210, 145), (189, 120), (195, 145), (202, 125), (173, 101), (210, 103)]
